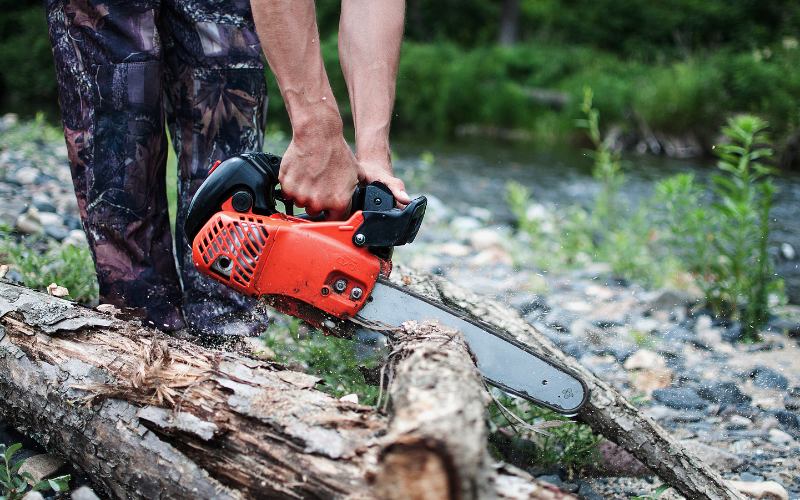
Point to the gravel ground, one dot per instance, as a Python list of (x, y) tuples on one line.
[(737, 404)]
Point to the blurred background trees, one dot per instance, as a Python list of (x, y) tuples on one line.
[(673, 71)]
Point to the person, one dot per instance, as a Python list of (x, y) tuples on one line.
[(319, 171), (125, 67), (122, 67)]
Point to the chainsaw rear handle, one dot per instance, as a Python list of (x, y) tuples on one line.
[(250, 182)]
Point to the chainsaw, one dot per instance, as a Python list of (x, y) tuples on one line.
[(334, 274)]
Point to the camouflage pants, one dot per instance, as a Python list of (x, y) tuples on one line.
[(124, 69)]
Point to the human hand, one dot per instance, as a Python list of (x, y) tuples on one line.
[(381, 170), (319, 172)]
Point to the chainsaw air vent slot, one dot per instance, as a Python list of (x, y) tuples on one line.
[(238, 243)]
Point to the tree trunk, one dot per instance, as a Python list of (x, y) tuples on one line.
[(607, 411), (146, 415), (509, 22), (438, 398)]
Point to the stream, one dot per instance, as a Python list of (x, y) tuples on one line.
[(474, 174)]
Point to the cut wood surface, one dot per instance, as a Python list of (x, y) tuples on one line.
[(607, 411), (146, 415)]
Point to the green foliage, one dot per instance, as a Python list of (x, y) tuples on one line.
[(655, 495), (15, 485), (332, 359), (41, 261), (567, 444)]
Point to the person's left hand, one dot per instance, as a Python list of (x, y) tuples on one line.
[(372, 170)]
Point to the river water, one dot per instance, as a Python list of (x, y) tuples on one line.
[(474, 174)]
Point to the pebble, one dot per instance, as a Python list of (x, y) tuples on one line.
[(767, 378), (26, 175), (787, 251), (84, 493), (737, 422), (76, 238), (777, 436), (680, 398), (644, 359), (770, 490), (41, 466), (788, 419), (28, 222), (33, 495), (723, 392)]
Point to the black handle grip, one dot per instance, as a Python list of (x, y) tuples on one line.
[(251, 180)]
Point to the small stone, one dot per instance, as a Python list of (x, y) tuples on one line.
[(33, 495), (719, 459), (769, 490), (738, 423), (777, 436), (41, 466), (84, 493), (680, 398), (76, 238), (767, 378), (350, 398), (747, 476), (58, 233), (26, 176), (791, 402), (788, 419), (787, 251), (3, 270), (723, 392), (643, 358), (49, 219), (667, 300), (57, 290), (28, 222)]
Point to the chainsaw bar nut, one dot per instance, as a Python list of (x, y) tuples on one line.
[(356, 293), (340, 285)]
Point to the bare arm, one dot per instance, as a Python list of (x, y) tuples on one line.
[(319, 172), (370, 34)]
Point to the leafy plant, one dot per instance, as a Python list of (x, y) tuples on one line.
[(16, 484), (607, 168), (744, 273), (655, 495)]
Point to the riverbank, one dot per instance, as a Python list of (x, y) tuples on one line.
[(737, 404)]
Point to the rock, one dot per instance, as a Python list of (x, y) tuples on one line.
[(3, 270), (42, 466), (767, 378), (732, 333), (738, 422), (485, 238), (644, 358), (14, 276), (764, 489), (723, 392), (747, 476), (350, 398), (452, 249), (791, 402), (787, 251), (33, 495), (57, 290), (464, 225), (49, 219), (28, 222), (680, 398), (586, 492), (788, 419), (493, 255), (526, 303), (84, 493), (777, 436), (718, 459), (667, 300), (76, 238), (26, 176), (616, 461), (679, 334), (58, 233)]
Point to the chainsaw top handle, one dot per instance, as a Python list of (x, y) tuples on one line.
[(250, 181)]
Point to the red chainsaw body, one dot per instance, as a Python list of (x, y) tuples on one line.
[(289, 258)]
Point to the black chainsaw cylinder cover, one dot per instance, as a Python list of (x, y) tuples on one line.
[(250, 178)]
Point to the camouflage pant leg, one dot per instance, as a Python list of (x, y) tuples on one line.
[(216, 97), (109, 71)]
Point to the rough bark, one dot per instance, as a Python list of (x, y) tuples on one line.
[(607, 411), (436, 446), (149, 416)]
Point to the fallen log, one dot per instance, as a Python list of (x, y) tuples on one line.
[(438, 398), (607, 411), (146, 415)]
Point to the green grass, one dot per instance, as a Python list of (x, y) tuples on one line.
[(41, 261), (16, 485), (330, 358)]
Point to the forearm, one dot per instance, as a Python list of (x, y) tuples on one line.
[(370, 34), (290, 39)]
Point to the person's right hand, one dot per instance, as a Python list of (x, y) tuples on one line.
[(319, 171)]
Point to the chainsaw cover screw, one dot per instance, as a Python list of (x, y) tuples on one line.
[(340, 285), (325, 291), (356, 293), (360, 239)]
